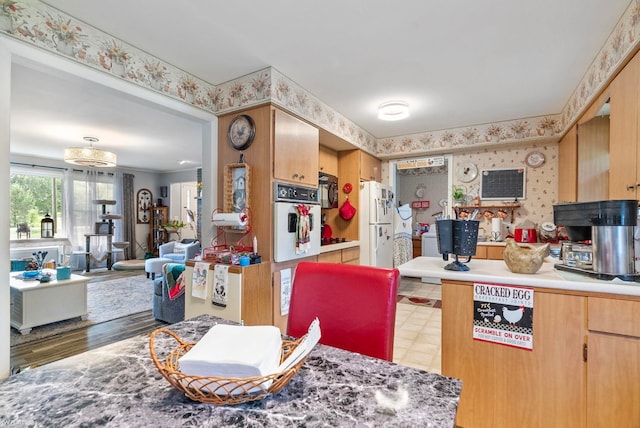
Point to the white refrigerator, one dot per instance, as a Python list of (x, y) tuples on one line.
[(377, 209)]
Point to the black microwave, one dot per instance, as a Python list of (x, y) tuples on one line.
[(328, 190)]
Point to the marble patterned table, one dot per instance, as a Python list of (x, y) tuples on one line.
[(118, 386)]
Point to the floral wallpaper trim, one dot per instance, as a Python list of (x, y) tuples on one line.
[(45, 27), (48, 28)]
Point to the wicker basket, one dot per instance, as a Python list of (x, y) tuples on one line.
[(217, 390)]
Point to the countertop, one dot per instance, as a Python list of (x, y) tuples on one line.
[(496, 271), (118, 386), (338, 246)]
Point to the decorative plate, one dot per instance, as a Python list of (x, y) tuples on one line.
[(442, 203), (535, 159), (467, 172), (420, 191), (347, 188)]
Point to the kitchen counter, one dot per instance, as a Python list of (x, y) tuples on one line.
[(339, 246), (496, 271), (118, 385)]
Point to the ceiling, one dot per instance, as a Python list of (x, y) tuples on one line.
[(456, 63)]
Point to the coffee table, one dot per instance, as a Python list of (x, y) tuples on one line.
[(34, 303)]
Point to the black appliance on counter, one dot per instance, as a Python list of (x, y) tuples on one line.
[(609, 227), (328, 190)]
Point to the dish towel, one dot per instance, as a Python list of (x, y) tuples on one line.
[(199, 280), (303, 240), (220, 285)]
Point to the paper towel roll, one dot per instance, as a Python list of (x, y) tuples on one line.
[(496, 228), (229, 219)]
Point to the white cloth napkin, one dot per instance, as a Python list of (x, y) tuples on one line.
[(231, 351)]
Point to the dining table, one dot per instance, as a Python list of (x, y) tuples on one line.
[(118, 385)]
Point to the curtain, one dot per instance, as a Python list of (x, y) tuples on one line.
[(128, 216), (83, 190)]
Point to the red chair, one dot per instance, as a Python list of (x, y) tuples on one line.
[(356, 306)]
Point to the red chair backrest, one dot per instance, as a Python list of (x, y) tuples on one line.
[(356, 306)]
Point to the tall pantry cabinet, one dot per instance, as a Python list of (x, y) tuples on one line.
[(624, 153)]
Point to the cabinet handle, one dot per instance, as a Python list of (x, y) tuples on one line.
[(295, 175), (632, 186), (302, 177)]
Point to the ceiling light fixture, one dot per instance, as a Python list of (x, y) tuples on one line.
[(393, 110), (89, 156)]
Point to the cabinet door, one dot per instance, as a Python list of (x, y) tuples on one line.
[(568, 167), (370, 167), (295, 150), (613, 390), (623, 146), (510, 387), (495, 253), (328, 161)]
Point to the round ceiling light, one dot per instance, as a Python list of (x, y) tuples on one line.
[(393, 110)]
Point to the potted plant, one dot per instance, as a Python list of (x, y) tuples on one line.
[(173, 226), (458, 194)]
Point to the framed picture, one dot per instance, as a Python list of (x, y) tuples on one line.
[(237, 180), (144, 202)]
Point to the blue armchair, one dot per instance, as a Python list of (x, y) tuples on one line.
[(168, 307), (179, 252)]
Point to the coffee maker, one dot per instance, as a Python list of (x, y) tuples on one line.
[(607, 227)]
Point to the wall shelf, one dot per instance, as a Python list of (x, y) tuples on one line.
[(482, 208)]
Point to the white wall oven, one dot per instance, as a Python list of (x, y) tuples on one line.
[(296, 222)]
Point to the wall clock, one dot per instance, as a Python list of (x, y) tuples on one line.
[(467, 172), (241, 132), (535, 159)]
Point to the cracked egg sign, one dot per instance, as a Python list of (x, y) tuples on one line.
[(503, 314)]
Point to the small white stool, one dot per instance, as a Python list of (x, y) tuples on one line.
[(154, 266)]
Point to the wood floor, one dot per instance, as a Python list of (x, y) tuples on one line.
[(37, 353)]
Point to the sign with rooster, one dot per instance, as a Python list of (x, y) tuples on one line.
[(503, 314)]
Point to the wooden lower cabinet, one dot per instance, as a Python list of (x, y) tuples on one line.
[(249, 297), (511, 387), (489, 252), (613, 389), (346, 255), (416, 241), (583, 371)]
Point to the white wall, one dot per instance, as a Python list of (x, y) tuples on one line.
[(5, 127), (11, 50)]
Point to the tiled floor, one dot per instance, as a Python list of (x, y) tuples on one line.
[(417, 335)]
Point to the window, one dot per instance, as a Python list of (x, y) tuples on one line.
[(33, 194)]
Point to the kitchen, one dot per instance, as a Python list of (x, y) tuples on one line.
[(268, 190)]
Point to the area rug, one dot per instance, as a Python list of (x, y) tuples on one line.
[(106, 300), (420, 301)]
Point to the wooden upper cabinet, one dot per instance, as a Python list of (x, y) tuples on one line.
[(567, 167), (328, 161), (623, 137), (295, 150), (593, 159), (370, 167)]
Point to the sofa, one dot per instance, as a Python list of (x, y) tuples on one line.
[(179, 252), (168, 303)]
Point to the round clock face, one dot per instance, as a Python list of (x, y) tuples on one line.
[(535, 159), (241, 132), (467, 172)]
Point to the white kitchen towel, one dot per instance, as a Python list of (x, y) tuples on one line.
[(220, 285), (199, 287)]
